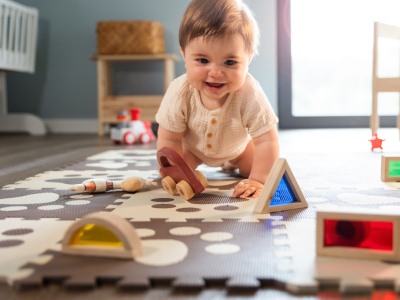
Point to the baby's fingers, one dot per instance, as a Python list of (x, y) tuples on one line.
[(248, 192), (257, 193), (238, 189)]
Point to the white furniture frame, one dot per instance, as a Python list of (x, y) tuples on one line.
[(382, 84), (109, 105), (18, 35)]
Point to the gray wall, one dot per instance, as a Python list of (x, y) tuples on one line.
[(64, 84)]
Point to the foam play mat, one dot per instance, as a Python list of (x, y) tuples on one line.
[(211, 238)]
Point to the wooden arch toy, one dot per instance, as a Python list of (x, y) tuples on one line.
[(102, 234), (179, 177)]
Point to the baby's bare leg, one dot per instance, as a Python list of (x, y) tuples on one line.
[(245, 160), (192, 160)]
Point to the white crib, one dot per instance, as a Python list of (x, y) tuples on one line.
[(18, 35)]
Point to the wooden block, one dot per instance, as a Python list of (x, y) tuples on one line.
[(120, 231), (362, 234), (390, 168), (279, 170)]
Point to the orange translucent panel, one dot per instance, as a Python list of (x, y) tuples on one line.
[(92, 234)]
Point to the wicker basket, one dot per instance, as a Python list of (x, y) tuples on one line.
[(130, 37)]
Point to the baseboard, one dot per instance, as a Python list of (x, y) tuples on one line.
[(71, 125)]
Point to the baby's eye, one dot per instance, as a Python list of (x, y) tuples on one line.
[(202, 60), (230, 62)]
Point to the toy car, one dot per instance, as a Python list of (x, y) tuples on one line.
[(179, 177), (131, 131)]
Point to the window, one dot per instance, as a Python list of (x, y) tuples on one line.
[(325, 62)]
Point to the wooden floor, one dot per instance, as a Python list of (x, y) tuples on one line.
[(23, 156)]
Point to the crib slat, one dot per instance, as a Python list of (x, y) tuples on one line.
[(2, 9), (22, 49), (4, 34), (29, 41), (10, 55), (35, 24), (17, 34)]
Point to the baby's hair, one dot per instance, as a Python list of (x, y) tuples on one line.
[(219, 18)]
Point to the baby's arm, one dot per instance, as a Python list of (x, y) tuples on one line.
[(266, 151), (170, 139)]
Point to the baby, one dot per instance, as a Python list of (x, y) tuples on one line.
[(217, 113)]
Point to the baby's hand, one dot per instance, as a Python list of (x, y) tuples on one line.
[(246, 187)]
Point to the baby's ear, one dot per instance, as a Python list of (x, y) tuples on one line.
[(183, 53), (251, 57)]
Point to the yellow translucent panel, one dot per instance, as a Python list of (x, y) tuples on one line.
[(92, 234)]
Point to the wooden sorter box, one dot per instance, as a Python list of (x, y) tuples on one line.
[(358, 233), (130, 37)]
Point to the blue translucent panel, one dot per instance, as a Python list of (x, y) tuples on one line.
[(283, 194)]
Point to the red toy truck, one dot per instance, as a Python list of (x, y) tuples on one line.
[(131, 131), (179, 177)]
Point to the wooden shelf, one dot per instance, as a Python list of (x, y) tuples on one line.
[(109, 105), (118, 57)]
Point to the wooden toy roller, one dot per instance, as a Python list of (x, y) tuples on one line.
[(179, 177)]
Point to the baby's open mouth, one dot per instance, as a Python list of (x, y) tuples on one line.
[(215, 85)]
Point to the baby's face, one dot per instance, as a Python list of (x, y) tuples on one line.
[(216, 66)]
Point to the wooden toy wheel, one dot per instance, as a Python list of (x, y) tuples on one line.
[(200, 176), (144, 138), (185, 190), (129, 138), (169, 185)]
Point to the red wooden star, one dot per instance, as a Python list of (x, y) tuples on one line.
[(376, 142)]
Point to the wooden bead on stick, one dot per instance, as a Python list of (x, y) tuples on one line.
[(133, 184), (98, 185)]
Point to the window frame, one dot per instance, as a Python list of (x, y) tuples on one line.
[(286, 118)]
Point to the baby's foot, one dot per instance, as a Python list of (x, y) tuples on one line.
[(229, 167)]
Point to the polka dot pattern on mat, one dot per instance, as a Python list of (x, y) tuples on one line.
[(162, 199), (19, 231), (50, 207), (13, 208), (145, 232), (82, 196), (222, 248), (161, 253), (163, 206), (184, 231), (226, 207), (77, 202), (10, 243), (188, 209), (216, 236), (31, 199)]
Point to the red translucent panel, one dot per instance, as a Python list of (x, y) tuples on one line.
[(376, 235)]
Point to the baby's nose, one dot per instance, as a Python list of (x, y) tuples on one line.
[(215, 71)]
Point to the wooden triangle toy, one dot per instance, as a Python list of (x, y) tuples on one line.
[(281, 190)]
